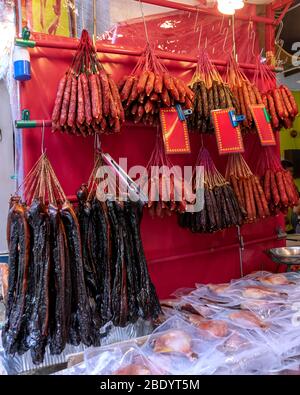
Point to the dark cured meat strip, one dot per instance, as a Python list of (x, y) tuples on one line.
[(233, 215), (59, 289), (219, 202), (80, 314), (39, 321), (204, 99), (217, 209), (132, 263), (98, 247), (19, 257), (106, 308), (89, 264), (234, 203), (117, 260), (210, 210), (222, 97), (216, 95), (124, 269), (146, 297)]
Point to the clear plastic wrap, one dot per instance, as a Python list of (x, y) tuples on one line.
[(120, 360), (233, 334), (177, 347)]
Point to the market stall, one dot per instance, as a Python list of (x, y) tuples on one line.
[(79, 264)]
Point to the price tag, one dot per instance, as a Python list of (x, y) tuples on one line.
[(175, 132), (229, 137), (263, 125)]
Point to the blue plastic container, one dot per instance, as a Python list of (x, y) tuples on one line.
[(21, 64)]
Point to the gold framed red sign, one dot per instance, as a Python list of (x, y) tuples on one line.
[(175, 132), (229, 137)]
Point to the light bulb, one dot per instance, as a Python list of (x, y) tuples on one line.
[(226, 7)]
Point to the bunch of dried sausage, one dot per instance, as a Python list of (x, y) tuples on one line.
[(87, 100), (247, 188), (150, 87), (279, 101), (211, 93), (221, 208), (164, 184), (245, 93), (279, 186)]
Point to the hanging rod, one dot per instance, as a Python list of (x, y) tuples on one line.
[(104, 48)]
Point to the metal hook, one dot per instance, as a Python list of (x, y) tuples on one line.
[(221, 25), (225, 40), (199, 38), (253, 38), (196, 19)]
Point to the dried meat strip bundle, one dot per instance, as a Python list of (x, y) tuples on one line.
[(221, 207), (47, 300), (39, 221), (124, 291), (87, 100)]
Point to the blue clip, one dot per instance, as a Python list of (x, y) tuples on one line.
[(182, 113), (235, 119)]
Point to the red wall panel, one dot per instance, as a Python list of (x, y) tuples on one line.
[(176, 257)]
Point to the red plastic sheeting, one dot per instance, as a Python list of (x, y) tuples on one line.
[(176, 257), (178, 32)]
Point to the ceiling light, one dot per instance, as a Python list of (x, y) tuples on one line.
[(226, 7)]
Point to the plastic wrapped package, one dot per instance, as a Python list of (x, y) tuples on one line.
[(177, 347), (205, 295), (113, 334), (120, 360), (186, 304), (254, 360)]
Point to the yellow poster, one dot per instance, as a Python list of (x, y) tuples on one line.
[(50, 17)]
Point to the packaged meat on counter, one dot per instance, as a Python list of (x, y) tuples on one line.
[(247, 326)]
